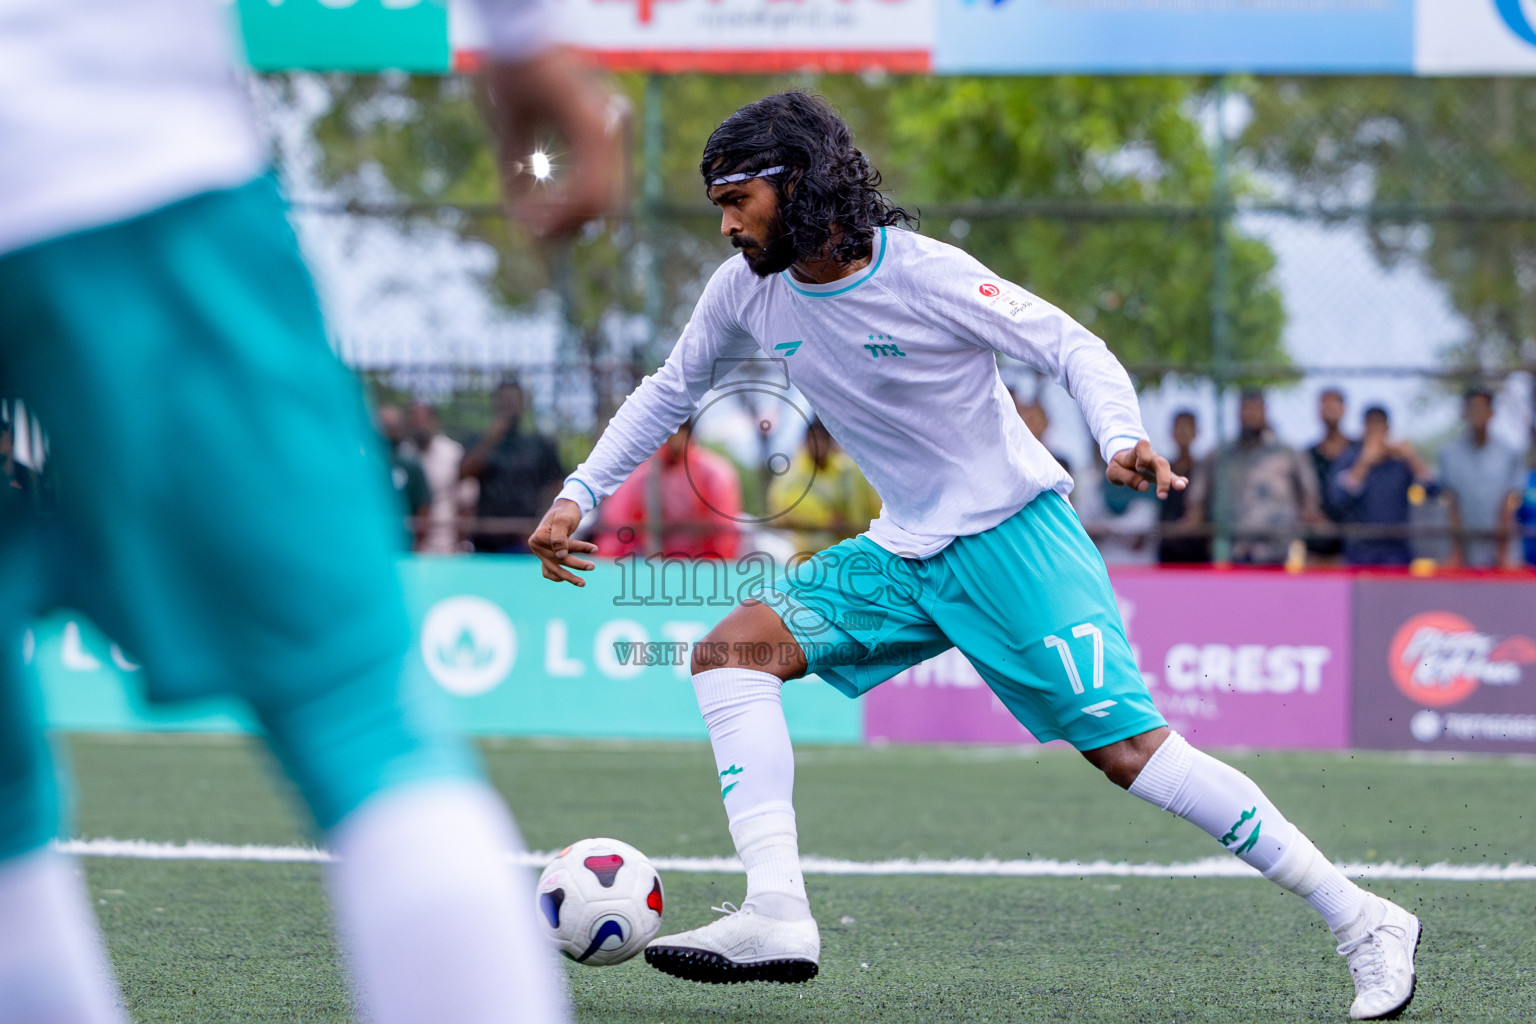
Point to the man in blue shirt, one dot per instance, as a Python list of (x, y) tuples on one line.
[(1527, 517), (1369, 487)]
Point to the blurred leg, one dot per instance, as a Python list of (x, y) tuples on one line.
[(440, 927), (231, 525), (436, 922), (53, 967)]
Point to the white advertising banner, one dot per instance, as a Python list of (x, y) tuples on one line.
[(1475, 37), (737, 36)]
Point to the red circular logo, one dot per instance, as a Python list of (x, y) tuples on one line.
[(990, 290), (1433, 658)]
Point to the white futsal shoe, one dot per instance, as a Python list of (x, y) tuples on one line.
[(741, 946), (1380, 945)]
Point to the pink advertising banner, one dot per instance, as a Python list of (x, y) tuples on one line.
[(1233, 659)]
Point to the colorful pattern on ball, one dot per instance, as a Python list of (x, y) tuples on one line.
[(601, 901)]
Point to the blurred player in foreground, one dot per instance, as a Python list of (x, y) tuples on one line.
[(896, 337), (156, 315)]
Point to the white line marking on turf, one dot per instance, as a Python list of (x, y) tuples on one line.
[(141, 849), (1210, 867)]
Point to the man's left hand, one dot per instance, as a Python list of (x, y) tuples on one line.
[(1143, 469)]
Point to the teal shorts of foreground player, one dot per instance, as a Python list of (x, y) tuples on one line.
[(1028, 602), (220, 507)]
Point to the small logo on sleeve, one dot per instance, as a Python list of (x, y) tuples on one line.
[(1002, 299)]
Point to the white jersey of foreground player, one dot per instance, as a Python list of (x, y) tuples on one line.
[(113, 108), (899, 361)]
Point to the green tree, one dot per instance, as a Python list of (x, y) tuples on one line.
[(1448, 169), (1073, 150), (1142, 280)]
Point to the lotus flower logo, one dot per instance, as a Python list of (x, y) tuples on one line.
[(468, 644), (465, 653)]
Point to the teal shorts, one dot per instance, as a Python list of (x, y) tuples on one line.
[(1028, 602), (218, 502)]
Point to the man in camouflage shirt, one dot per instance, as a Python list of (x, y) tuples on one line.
[(1268, 487)]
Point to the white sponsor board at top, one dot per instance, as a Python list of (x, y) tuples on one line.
[(1475, 37), (734, 35)]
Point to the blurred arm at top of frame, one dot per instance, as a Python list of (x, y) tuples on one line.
[(537, 86)]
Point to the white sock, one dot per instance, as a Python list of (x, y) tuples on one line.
[(436, 923), (53, 964), (744, 711), (1227, 804)]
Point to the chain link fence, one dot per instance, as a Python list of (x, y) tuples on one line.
[(1372, 236), (1391, 223)]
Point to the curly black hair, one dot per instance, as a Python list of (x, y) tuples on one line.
[(828, 187)]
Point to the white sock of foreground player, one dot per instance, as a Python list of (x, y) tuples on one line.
[(1226, 803), (53, 966), (436, 923), (744, 711)]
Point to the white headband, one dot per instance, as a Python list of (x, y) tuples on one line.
[(731, 179)]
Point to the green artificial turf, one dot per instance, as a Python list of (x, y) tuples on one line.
[(198, 941)]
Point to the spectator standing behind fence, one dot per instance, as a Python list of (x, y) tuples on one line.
[(518, 473), (1173, 513), (441, 458), (1370, 485), (1483, 479), (691, 492), (1526, 517), (1039, 423), (1325, 458), (822, 495), (1268, 487), (405, 474)]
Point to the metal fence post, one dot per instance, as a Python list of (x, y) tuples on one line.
[(1221, 330), (651, 196)]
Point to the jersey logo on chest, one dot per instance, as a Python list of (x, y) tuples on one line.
[(883, 345)]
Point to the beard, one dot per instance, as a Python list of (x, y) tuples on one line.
[(772, 257)]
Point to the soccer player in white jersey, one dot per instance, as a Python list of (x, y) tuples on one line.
[(221, 507), (892, 338)]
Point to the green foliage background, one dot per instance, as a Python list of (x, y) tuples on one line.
[(1449, 169), (1096, 193), (1003, 167)]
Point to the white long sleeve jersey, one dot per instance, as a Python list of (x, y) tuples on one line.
[(112, 108), (899, 362)]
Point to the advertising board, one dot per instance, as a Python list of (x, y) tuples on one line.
[(1231, 659), (1475, 37), (526, 657), (733, 36), (1010, 37), (1447, 665), (1031, 37), (345, 35), (1254, 659), (519, 656)]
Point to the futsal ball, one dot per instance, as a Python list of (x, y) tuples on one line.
[(600, 901)]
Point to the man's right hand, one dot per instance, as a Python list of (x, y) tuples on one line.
[(556, 548), (555, 91), (1374, 449)]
